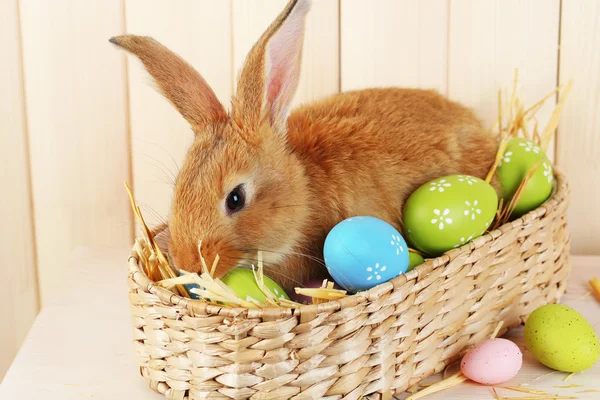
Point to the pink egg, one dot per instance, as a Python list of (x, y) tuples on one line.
[(493, 361)]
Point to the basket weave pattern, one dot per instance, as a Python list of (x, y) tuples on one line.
[(376, 342)]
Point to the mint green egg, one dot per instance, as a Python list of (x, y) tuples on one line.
[(414, 259), (449, 212), (242, 281), (519, 157)]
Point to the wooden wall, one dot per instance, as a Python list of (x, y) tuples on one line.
[(78, 117), (19, 283)]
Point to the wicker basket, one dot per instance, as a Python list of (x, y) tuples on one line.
[(372, 344)]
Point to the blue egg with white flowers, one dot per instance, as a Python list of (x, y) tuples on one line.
[(189, 286), (362, 252)]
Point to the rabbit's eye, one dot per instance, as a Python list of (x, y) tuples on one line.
[(236, 200)]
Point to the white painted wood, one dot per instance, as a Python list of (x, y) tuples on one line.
[(77, 120), (394, 43), (488, 39), (320, 58), (18, 285), (578, 147), (200, 32)]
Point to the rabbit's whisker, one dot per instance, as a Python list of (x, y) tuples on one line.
[(160, 147), (291, 253), (162, 167), (151, 210)]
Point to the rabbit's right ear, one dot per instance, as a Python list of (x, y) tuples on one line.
[(270, 75), (179, 82)]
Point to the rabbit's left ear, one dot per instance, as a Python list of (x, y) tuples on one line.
[(270, 75), (179, 82)]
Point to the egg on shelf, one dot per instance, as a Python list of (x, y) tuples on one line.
[(561, 338), (518, 159), (242, 282), (362, 252), (492, 362), (449, 212)]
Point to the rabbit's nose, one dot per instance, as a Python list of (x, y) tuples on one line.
[(209, 249), (220, 256), (186, 258)]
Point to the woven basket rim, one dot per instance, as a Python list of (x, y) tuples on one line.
[(198, 307)]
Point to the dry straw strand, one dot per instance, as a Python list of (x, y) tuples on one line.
[(595, 284), (549, 130), (569, 376), (410, 249), (568, 386), (505, 212), (447, 383), (549, 397), (525, 390)]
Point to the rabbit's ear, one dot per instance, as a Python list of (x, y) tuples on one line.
[(269, 78), (179, 82)]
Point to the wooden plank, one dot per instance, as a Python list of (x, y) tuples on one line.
[(578, 137), (75, 89), (394, 43), (200, 32), (488, 39), (320, 57), (18, 286)]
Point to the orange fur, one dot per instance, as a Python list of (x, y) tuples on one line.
[(355, 153)]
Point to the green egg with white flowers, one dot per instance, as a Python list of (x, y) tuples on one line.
[(449, 212), (519, 157)]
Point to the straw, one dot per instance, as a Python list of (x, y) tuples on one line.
[(595, 283), (555, 118), (568, 377), (525, 390), (166, 271)]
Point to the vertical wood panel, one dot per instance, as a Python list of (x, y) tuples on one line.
[(489, 39), (320, 58), (75, 90), (200, 32), (394, 43), (18, 286), (578, 147)]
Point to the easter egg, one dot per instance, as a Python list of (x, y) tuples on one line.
[(414, 259), (519, 157), (492, 361), (313, 284), (362, 252), (449, 212), (561, 338), (242, 281), (189, 286)]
